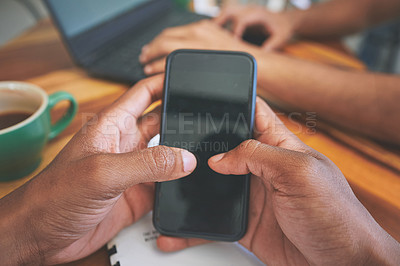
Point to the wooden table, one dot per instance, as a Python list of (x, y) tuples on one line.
[(372, 170)]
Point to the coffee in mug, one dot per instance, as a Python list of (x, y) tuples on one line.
[(9, 119), (25, 126)]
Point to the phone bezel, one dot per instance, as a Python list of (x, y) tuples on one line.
[(252, 97)]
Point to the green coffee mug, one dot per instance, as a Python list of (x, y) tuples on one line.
[(21, 144)]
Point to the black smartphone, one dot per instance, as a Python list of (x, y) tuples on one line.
[(208, 108)]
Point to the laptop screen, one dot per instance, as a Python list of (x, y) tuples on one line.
[(78, 16)]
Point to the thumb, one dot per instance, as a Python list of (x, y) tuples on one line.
[(270, 163), (157, 164)]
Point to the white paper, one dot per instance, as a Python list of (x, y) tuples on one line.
[(136, 245)]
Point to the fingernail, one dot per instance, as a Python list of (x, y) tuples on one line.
[(144, 48), (147, 69), (189, 161), (217, 157)]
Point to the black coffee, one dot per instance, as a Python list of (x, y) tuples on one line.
[(11, 118)]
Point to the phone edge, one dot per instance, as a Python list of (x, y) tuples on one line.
[(253, 92)]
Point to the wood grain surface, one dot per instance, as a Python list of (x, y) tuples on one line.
[(373, 170)]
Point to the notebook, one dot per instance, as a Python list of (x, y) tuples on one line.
[(136, 245)]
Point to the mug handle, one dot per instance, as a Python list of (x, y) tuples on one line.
[(61, 124)]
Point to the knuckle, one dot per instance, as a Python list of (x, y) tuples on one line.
[(96, 166), (153, 45), (166, 31), (307, 164), (251, 153), (164, 46), (157, 44), (163, 160), (249, 146), (99, 175), (142, 83)]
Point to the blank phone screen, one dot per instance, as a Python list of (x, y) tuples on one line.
[(208, 107)]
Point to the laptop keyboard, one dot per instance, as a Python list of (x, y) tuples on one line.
[(123, 57)]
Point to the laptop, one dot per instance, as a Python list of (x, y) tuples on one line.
[(106, 37)]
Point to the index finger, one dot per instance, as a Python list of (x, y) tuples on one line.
[(136, 100), (269, 129)]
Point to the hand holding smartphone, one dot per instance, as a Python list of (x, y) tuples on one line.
[(208, 108)]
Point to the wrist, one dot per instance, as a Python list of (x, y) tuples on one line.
[(17, 241), (381, 248)]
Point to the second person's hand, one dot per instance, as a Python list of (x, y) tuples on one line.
[(204, 34), (279, 26)]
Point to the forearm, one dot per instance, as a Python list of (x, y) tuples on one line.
[(17, 244), (340, 17), (382, 249), (365, 102)]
